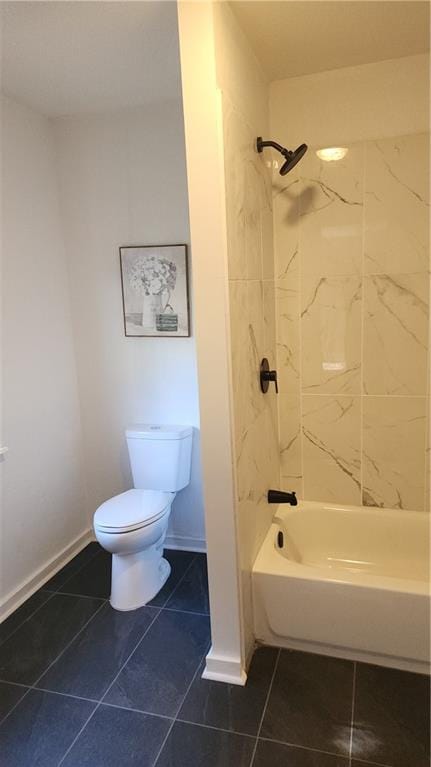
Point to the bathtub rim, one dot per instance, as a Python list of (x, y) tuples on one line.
[(270, 560)]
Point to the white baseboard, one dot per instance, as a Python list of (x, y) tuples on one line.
[(222, 668), (182, 543), (15, 598)]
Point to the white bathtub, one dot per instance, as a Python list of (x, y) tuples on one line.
[(348, 581)]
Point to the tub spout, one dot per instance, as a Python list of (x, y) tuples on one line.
[(278, 496)]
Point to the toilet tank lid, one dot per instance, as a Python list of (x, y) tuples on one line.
[(157, 431)]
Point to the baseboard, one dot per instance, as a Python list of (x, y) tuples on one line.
[(15, 599), (184, 543), (222, 668)]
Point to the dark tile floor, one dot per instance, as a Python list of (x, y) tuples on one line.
[(83, 685)]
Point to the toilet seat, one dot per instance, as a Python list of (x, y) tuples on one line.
[(132, 510)]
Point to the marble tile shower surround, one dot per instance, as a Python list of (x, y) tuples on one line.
[(352, 298), (252, 324)]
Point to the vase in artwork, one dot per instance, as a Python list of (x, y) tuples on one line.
[(151, 306)]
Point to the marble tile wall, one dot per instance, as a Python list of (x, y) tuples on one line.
[(253, 332), (352, 298)]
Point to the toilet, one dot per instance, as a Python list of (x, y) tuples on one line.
[(132, 526)]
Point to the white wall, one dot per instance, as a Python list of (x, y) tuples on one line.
[(248, 201), (123, 182), (225, 99), (204, 147), (359, 103), (43, 499)]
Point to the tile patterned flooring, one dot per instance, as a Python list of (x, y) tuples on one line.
[(83, 685)]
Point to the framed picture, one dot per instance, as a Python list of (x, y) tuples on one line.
[(154, 280)]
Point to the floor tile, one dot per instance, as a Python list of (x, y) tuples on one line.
[(392, 715), (91, 662), (179, 562), (310, 702), (190, 745), (73, 566), (10, 694), (115, 737), (93, 579), (40, 729), (229, 706), (19, 616), (30, 650), (192, 592), (269, 754), (158, 674)]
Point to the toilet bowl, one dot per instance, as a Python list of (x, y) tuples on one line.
[(132, 526)]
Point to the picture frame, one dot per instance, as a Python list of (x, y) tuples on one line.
[(155, 291)]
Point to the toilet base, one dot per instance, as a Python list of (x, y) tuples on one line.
[(137, 578)]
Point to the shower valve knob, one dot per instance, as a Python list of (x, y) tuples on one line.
[(267, 376)]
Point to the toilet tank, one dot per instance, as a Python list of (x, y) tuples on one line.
[(160, 456)]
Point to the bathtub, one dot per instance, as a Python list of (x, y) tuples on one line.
[(346, 581)]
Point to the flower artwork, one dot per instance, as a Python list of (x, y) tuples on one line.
[(155, 290)]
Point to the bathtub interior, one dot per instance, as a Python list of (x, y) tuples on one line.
[(381, 542)]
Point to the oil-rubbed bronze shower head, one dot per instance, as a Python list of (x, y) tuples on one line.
[(291, 156)]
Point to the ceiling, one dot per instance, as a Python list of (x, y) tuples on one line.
[(69, 57), (65, 58), (292, 38)]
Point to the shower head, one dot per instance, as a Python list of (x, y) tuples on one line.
[(291, 157)]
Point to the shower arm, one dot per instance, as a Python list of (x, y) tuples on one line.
[(261, 145)]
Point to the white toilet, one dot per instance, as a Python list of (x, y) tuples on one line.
[(132, 526)]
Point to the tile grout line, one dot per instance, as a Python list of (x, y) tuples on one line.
[(51, 594), (158, 611), (352, 717), (187, 612), (217, 729), (154, 764), (155, 607), (2, 721), (308, 748), (371, 764), (97, 706), (96, 612), (194, 724), (362, 341), (80, 596), (56, 591), (104, 602), (357, 396), (78, 734), (33, 686), (163, 606), (65, 694), (135, 710), (265, 707), (14, 684), (301, 401)]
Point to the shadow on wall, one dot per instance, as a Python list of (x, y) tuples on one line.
[(297, 197)]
